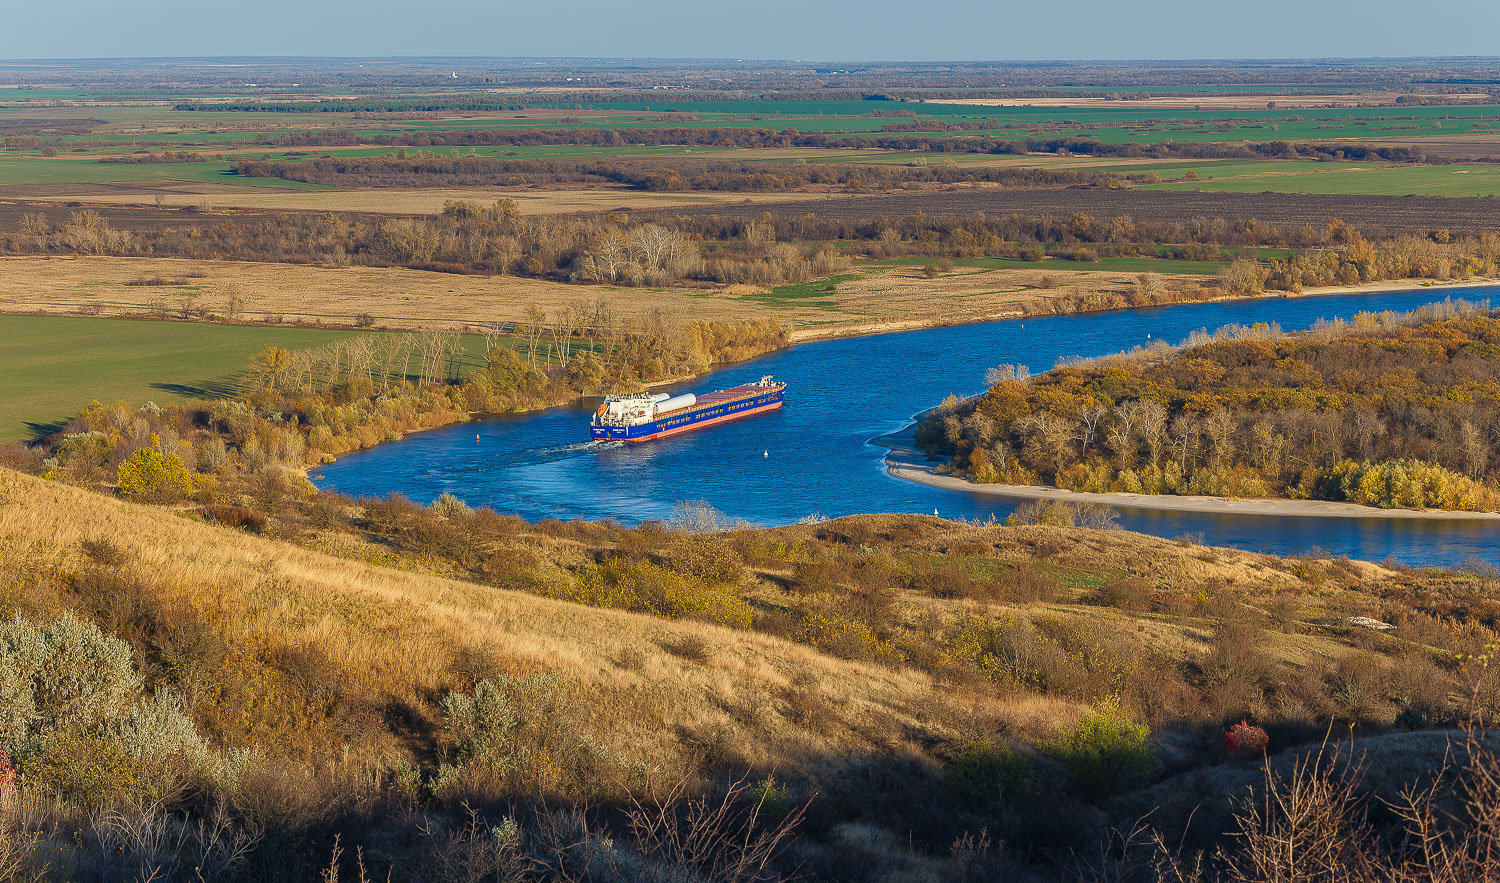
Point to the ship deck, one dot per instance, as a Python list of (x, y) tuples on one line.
[(719, 397)]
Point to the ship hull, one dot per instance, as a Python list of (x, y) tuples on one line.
[(688, 420)]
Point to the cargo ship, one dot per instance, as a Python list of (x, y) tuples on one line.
[(648, 416)]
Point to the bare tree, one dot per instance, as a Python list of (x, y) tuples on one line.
[(1007, 372), (1476, 451), (1184, 440), (536, 327), (1152, 420), (1089, 415), (1220, 426)]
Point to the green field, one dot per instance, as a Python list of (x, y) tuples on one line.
[(55, 365), (145, 118), (29, 170), (1114, 122)]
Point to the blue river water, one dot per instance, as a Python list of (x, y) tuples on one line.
[(814, 456)]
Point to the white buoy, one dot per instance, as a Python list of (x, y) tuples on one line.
[(934, 512), (765, 453)]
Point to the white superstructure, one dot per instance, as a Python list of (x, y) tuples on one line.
[(629, 410)]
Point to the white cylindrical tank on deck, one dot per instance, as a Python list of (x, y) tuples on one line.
[(675, 403), (660, 396)]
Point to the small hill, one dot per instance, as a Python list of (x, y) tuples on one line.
[(886, 685)]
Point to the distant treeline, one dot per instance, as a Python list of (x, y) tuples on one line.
[(146, 157), (660, 100), (464, 238), (730, 136), (496, 239), (363, 104), (442, 171)]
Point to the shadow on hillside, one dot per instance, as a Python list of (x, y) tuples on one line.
[(42, 430), (204, 389)]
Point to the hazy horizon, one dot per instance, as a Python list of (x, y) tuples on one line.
[(831, 30)]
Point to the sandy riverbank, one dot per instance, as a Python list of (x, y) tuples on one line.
[(904, 460), (1392, 285)]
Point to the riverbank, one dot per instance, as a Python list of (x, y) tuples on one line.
[(904, 460), (1031, 309)]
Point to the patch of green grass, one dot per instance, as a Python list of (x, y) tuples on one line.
[(54, 365), (811, 294), (29, 170)]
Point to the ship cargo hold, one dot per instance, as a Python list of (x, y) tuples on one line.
[(648, 416)]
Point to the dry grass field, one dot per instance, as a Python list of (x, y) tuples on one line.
[(905, 294), (394, 298), (403, 635), (397, 298)]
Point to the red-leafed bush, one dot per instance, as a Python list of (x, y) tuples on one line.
[(7, 773), (1246, 741)]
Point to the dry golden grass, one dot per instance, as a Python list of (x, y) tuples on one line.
[(396, 298), (879, 300), (401, 635), (898, 297)]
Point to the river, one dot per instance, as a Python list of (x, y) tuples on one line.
[(814, 456)]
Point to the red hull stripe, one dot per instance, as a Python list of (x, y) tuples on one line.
[(691, 426)]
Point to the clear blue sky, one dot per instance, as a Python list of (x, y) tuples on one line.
[(833, 30)]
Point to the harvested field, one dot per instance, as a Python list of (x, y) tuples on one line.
[(903, 297), (1375, 214), (137, 218), (394, 298), (889, 296)]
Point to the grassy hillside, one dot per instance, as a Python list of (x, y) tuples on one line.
[(910, 682)]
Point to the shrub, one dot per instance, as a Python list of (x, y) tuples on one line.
[(1028, 585), (501, 737), (773, 797), (691, 648), (942, 579), (650, 588), (241, 517), (1246, 741), (152, 476), (1408, 484), (63, 676), (449, 506), (1126, 594), (103, 552), (83, 768), (1105, 753), (986, 775)]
